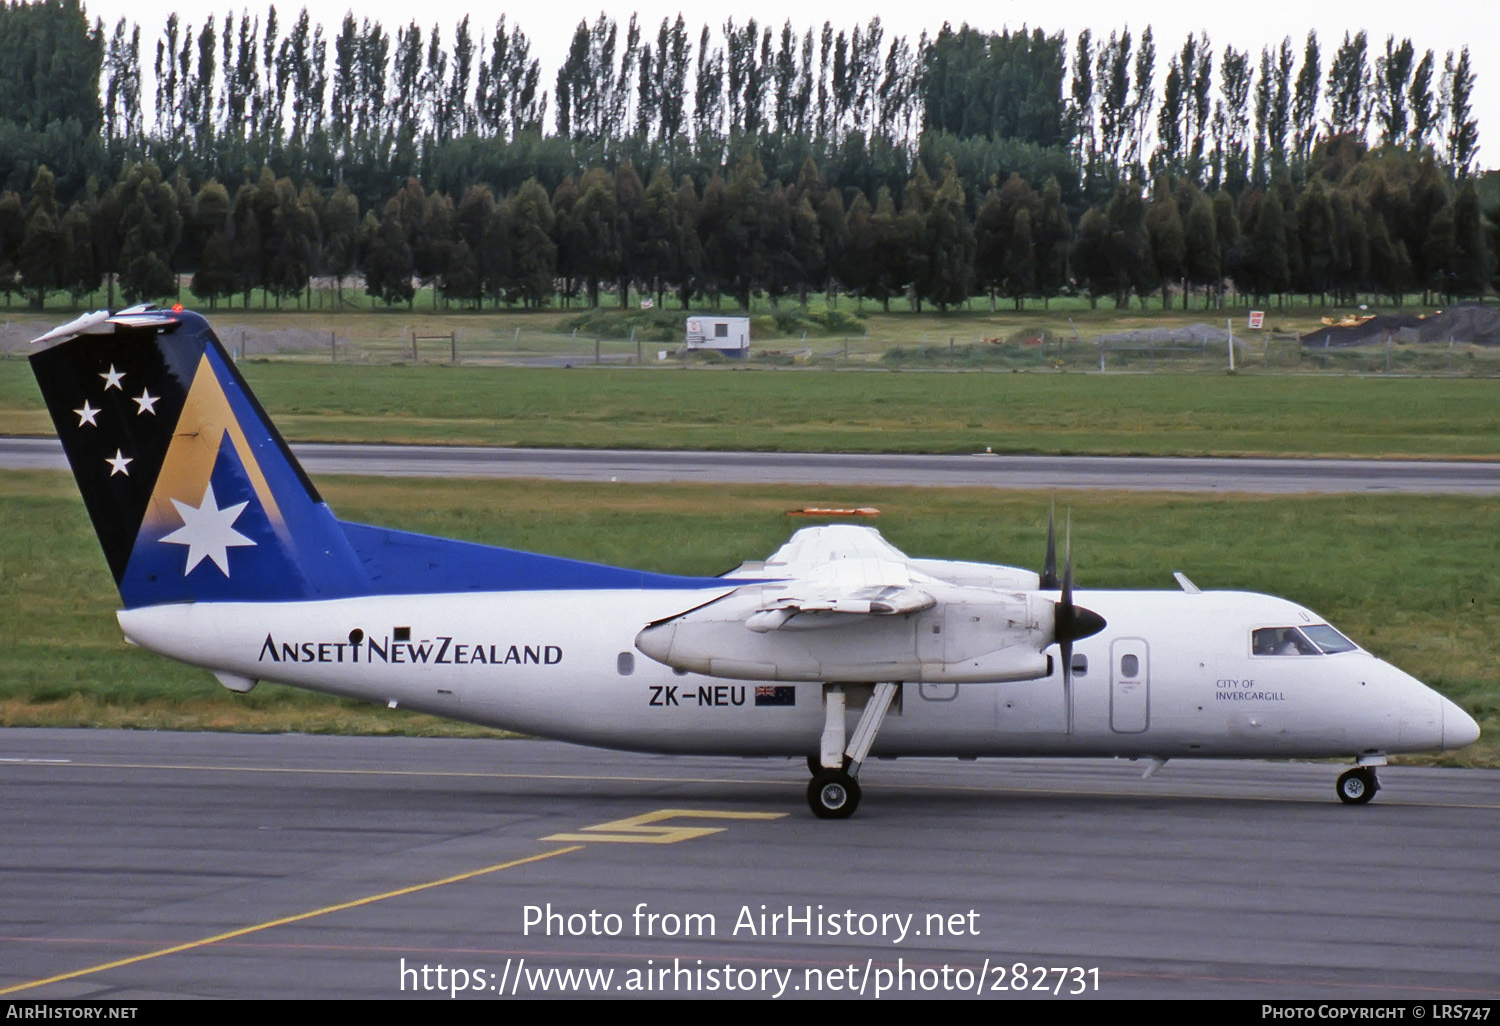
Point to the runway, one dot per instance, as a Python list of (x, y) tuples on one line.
[(142, 865), (1260, 476)]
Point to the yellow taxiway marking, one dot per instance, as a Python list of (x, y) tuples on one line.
[(283, 921), (642, 829)]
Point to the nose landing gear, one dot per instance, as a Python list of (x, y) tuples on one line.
[(1357, 786)]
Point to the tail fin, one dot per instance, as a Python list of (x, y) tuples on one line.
[(194, 494)]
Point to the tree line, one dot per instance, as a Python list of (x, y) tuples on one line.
[(746, 161), (1387, 223)]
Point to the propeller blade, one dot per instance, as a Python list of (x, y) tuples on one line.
[(1067, 581), (1072, 622), (1049, 568), (1066, 611)]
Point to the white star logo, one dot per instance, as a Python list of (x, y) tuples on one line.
[(208, 531), (119, 464), (147, 403), (112, 378), (86, 415)]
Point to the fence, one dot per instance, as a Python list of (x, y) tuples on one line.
[(1194, 349)]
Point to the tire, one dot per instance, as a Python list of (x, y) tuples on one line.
[(1357, 786), (833, 794)]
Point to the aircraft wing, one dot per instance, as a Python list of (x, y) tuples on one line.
[(840, 569), (839, 602)]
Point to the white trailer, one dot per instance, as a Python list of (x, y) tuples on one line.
[(727, 335)]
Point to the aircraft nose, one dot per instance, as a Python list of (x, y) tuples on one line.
[(1459, 728)]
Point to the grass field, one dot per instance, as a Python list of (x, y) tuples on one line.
[(1409, 578), (794, 410)]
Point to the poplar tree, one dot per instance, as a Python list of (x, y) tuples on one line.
[(1463, 131), (1305, 100), (1393, 72), (1420, 102), (1348, 82), (1231, 159), (708, 106), (1081, 105)]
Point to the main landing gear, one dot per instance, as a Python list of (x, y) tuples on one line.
[(1357, 786), (833, 792)]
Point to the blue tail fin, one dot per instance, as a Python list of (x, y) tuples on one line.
[(194, 494)]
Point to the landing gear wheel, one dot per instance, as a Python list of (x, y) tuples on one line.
[(833, 794), (1357, 786)]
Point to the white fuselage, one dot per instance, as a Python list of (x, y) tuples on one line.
[(563, 664)]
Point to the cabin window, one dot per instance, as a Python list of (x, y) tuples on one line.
[(1130, 666), (1282, 641), (625, 663), (1081, 664), (721, 331)]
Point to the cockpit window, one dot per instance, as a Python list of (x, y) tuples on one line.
[(1328, 639), (1279, 641)]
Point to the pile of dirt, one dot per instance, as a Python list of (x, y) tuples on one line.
[(1465, 325)]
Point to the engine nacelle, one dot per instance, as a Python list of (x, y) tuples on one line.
[(970, 635)]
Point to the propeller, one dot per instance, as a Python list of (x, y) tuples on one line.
[(1070, 623)]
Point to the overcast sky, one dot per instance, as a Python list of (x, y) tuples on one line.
[(1438, 25)]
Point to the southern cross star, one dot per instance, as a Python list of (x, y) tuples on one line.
[(87, 414), (207, 531), (147, 403), (120, 464), (112, 378)]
